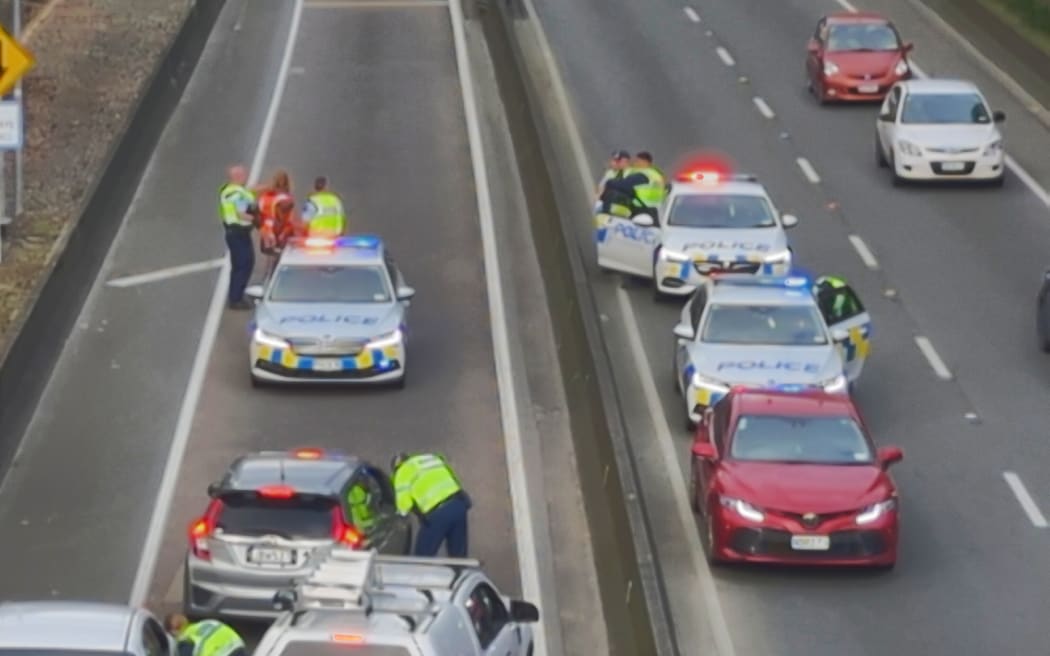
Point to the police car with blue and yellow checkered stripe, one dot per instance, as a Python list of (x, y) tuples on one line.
[(780, 332), (334, 310), (710, 222)]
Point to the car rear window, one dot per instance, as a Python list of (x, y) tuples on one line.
[(340, 649), (298, 517)]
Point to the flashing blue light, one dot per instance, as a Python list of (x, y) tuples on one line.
[(371, 242), (750, 280)]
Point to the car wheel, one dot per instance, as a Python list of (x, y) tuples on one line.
[(690, 425), (529, 652), (880, 157), (187, 610), (897, 180), (399, 384), (256, 381), (658, 295), (708, 542), (887, 567)]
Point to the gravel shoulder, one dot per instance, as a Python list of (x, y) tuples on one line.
[(94, 58)]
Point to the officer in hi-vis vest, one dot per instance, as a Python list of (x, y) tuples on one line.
[(236, 209), (323, 213)]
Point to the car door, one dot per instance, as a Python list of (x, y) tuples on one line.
[(715, 419), (697, 304), (154, 640), (628, 245), (850, 326), (382, 533), (496, 633), (815, 52), (886, 125)]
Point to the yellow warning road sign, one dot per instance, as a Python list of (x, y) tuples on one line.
[(15, 61)]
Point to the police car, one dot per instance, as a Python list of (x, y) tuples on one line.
[(709, 223), (767, 332), (334, 310)]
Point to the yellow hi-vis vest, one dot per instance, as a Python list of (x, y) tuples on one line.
[(652, 194), (211, 638), (229, 195), (424, 481), (329, 219)]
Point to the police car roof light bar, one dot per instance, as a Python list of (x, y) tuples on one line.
[(706, 176), (751, 280)]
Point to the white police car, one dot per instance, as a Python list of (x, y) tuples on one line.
[(708, 223), (334, 310), (768, 332)]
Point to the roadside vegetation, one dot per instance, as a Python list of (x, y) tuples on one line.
[(1029, 17)]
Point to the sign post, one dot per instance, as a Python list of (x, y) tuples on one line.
[(15, 61)]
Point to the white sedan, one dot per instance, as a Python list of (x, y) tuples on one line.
[(939, 130)]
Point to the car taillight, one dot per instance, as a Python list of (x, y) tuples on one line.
[(351, 537), (201, 529), (345, 533)]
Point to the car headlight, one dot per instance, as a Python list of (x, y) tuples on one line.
[(993, 148), (875, 511), (265, 338), (389, 339), (908, 148), (779, 258), (700, 381), (830, 68), (836, 385), (673, 256), (742, 508), (902, 67)]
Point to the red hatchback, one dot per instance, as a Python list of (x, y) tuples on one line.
[(855, 57), (794, 478)]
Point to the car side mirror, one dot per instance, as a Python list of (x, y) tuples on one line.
[(998, 116), (213, 490), (254, 292), (684, 331), (642, 220), (886, 117), (789, 220), (840, 334), (908, 47), (405, 293), (704, 450), (523, 611), (889, 455)]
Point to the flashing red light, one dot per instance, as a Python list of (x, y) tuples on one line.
[(351, 537), (276, 492), (319, 242), (704, 176), (309, 454), (351, 638)]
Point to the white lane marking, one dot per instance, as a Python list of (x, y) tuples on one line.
[(691, 14), (865, 253), (724, 55), (166, 491), (511, 419), (763, 107), (1025, 499), (808, 170), (936, 363), (165, 274), (712, 604), (845, 4), (723, 641)]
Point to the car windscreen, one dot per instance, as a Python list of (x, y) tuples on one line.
[(301, 283), (944, 108), (720, 211), (297, 517), (20, 651), (863, 37), (781, 325), (800, 439), (343, 648)]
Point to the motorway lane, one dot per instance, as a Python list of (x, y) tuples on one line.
[(375, 105), (956, 575), (74, 507)]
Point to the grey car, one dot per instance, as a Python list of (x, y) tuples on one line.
[(270, 514), (75, 628)]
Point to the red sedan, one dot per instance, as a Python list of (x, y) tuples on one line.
[(794, 478), (855, 57)]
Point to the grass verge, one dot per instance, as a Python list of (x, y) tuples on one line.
[(1030, 18)]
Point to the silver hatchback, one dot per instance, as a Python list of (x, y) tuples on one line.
[(74, 628), (270, 514)]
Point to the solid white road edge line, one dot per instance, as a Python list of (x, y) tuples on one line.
[(724, 55), (763, 107), (864, 252), (1025, 499), (936, 363), (723, 641), (166, 491), (691, 14), (808, 170), (165, 274), (712, 604), (511, 419), (845, 4)]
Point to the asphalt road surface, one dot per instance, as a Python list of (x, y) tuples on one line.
[(372, 100), (957, 266)]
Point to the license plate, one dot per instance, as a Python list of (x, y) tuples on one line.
[(953, 166), (810, 542), (271, 556), (330, 364), (868, 88)]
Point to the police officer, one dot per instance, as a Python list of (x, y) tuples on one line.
[(237, 208), (424, 483), (323, 212), (618, 162), (358, 499), (834, 298), (643, 184), (206, 638)]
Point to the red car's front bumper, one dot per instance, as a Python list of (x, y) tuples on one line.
[(840, 87), (737, 539)]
